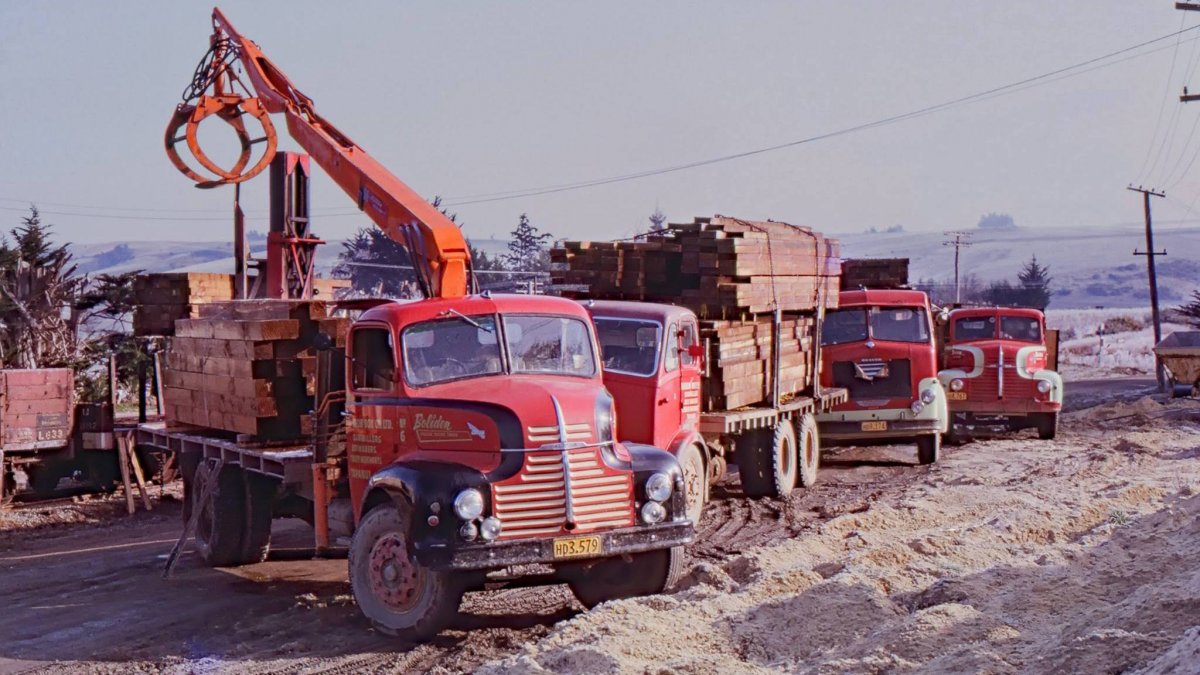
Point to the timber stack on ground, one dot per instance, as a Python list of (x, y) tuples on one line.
[(248, 366), (860, 273), (732, 273)]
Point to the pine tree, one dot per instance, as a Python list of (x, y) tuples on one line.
[(658, 220), (527, 248), (1035, 284), (1190, 313), (38, 286)]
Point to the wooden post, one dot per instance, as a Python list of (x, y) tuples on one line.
[(203, 486), (1150, 255), (130, 451), (112, 382), (142, 378), (158, 382), (123, 460)]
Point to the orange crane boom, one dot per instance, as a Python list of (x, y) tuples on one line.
[(439, 252)]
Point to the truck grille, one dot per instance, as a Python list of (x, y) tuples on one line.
[(897, 383), (537, 500)]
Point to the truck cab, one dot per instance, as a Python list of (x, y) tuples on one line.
[(652, 367), (995, 372), (481, 436), (879, 344)]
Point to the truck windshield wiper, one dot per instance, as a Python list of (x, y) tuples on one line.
[(473, 322)]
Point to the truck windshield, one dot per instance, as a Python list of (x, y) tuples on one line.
[(856, 324), (549, 344), (629, 346), (975, 328), (1022, 328), (844, 325), (450, 349)]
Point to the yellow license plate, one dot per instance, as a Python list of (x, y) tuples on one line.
[(575, 547), (877, 425), (956, 395)]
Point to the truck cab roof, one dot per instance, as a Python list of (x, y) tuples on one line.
[(875, 296), (627, 309)]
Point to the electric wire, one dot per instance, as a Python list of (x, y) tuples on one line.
[(1162, 106)]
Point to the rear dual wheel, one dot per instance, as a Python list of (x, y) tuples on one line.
[(234, 527), (773, 462)]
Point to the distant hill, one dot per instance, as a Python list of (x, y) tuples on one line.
[(1090, 267)]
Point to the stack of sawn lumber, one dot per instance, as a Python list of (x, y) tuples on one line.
[(718, 267), (732, 273), (874, 273), (163, 298), (248, 366)]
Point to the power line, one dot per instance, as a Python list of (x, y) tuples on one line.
[(1163, 104), (530, 192)]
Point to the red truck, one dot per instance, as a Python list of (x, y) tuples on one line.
[(879, 344), (997, 373), (480, 443), (654, 366)]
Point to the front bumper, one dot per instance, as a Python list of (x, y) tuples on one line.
[(895, 429), (480, 556)]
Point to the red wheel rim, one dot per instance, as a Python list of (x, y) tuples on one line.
[(395, 580)]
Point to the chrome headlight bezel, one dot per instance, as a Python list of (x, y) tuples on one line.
[(468, 504), (659, 487), (957, 384), (916, 407), (653, 513), (1044, 386), (928, 396), (490, 528)]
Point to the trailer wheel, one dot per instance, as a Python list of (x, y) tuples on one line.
[(647, 573), (929, 448), (808, 449), (221, 527), (1047, 426), (260, 508), (767, 461), (695, 481), (393, 590)]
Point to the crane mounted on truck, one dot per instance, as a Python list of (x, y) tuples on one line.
[(481, 438)]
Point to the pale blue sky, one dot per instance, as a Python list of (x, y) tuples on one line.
[(466, 98)]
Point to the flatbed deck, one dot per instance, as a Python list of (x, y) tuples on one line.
[(288, 462), (738, 421)]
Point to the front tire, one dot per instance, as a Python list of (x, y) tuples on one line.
[(648, 573), (398, 595), (695, 482), (1047, 426), (929, 448)]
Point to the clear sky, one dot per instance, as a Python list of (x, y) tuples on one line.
[(470, 98)]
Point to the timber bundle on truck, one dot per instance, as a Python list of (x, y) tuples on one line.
[(710, 332)]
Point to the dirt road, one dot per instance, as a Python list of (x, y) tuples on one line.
[(88, 597)]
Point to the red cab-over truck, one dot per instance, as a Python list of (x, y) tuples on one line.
[(879, 345)]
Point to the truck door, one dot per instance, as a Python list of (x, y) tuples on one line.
[(668, 400), (690, 370)]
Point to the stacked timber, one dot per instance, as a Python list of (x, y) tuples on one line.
[(248, 366), (874, 273), (164, 298), (718, 267), (733, 274), (740, 358)]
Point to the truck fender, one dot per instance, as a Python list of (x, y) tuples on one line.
[(976, 358), (686, 438), (940, 408), (429, 489), (1056, 384), (646, 460)]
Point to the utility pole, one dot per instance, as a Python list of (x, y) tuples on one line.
[(960, 240), (1151, 254)]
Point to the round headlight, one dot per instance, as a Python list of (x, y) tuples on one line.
[(658, 487), (928, 396), (1044, 386), (653, 513), (956, 384), (468, 531), (468, 505), (489, 529), (917, 407)]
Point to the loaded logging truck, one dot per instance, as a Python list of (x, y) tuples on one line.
[(879, 344), (481, 437), (655, 366), (998, 373)]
